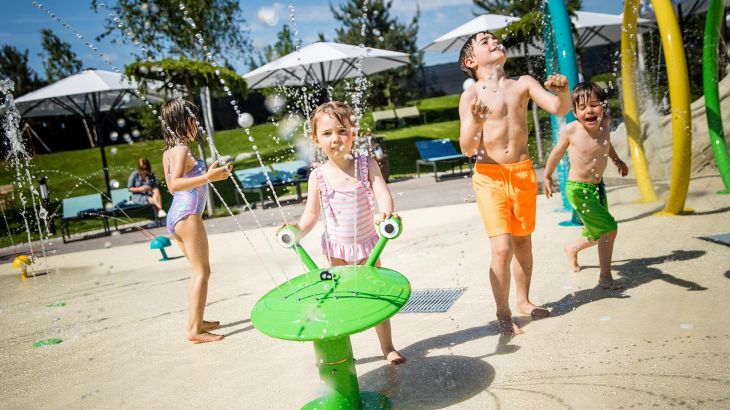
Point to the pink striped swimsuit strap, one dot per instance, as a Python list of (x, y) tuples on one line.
[(325, 192)]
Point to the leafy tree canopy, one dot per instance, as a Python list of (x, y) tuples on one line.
[(381, 30), (284, 45), (14, 65), (163, 26), (192, 74), (60, 62)]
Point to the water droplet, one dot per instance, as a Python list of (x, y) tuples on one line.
[(605, 317), (686, 326), (121, 122), (107, 244), (245, 120)]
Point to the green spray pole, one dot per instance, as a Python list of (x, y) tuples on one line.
[(288, 237), (712, 97), (388, 229)]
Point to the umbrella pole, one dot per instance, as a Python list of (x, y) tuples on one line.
[(100, 140), (208, 122)]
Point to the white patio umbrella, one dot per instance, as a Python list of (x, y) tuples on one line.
[(595, 29), (324, 62), (455, 39), (88, 93)]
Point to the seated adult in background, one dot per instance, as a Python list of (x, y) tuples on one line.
[(143, 186)]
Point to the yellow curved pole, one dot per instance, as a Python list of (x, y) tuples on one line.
[(679, 100), (631, 104)]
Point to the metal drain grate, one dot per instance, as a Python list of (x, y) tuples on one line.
[(722, 239), (432, 300)]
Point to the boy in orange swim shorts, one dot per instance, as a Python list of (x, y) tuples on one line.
[(493, 115)]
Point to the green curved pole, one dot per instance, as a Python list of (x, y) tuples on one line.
[(712, 95)]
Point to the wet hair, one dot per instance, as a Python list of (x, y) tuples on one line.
[(583, 92), (335, 109), (467, 51), (179, 122)]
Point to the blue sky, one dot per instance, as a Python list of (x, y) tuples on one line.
[(20, 24)]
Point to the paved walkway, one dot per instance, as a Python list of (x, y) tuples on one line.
[(663, 342)]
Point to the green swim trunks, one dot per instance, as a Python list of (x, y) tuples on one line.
[(591, 205)]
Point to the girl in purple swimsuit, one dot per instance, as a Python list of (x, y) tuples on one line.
[(187, 180)]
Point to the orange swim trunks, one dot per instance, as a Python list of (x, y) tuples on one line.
[(506, 196)]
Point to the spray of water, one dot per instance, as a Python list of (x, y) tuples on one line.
[(19, 159), (139, 92)]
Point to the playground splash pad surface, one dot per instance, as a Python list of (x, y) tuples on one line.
[(121, 315)]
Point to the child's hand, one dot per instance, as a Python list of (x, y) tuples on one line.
[(479, 110), (385, 215), (623, 169), (557, 83), (218, 173), (547, 182)]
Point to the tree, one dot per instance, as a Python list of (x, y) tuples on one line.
[(190, 74), (382, 31), (509, 7), (14, 65), (284, 45), (163, 26), (60, 62)]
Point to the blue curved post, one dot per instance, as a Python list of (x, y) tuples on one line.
[(560, 57)]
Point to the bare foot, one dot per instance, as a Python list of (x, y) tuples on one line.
[(572, 258), (208, 326), (204, 337), (395, 358), (609, 284), (535, 312), (506, 326)]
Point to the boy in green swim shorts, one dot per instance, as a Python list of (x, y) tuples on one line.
[(588, 142)]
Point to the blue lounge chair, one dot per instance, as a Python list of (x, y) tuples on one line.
[(254, 180), (292, 173), (121, 200), (80, 207), (434, 152)]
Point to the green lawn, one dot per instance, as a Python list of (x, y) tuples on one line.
[(75, 173)]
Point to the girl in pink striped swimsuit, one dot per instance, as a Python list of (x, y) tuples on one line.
[(346, 190)]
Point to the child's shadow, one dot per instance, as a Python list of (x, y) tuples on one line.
[(240, 322), (633, 273), (434, 382)]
